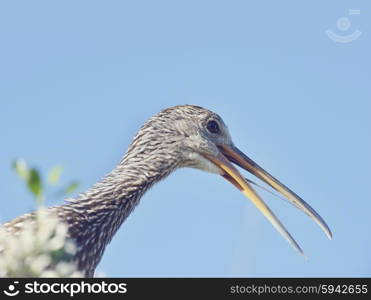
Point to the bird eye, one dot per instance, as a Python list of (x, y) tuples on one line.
[(213, 126)]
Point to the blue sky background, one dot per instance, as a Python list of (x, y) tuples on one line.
[(78, 78)]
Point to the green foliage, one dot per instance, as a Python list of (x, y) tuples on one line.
[(21, 168), (31, 177), (33, 180), (71, 187), (54, 175), (42, 248)]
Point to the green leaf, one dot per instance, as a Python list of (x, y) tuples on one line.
[(34, 182), (20, 166), (54, 175), (71, 187), (60, 255)]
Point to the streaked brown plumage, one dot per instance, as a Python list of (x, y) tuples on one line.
[(180, 136)]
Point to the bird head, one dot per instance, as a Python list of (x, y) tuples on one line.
[(191, 136)]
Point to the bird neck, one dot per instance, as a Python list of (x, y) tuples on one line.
[(96, 215)]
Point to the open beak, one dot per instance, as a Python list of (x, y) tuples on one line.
[(232, 154)]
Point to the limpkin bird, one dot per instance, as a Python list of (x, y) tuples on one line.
[(180, 136)]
